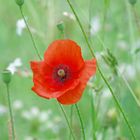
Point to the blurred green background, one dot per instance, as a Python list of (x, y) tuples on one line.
[(111, 26)]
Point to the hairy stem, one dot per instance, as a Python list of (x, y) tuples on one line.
[(10, 112), (102, 75)]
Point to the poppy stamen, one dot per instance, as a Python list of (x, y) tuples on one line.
[(61, 73)]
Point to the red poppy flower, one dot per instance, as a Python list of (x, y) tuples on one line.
[(63, 74)]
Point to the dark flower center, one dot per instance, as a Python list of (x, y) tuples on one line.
[(61, 73)]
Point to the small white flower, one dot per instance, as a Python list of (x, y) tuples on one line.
[(106, 94), (3, 109), (128, 71), (95, 25), (14, 65), (35, 112), (44, 116), (69, 15), (20, 25), (26, 115), (17, 105), (122, 45)]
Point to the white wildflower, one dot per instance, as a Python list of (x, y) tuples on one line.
[(44, 116), (128, 71), (95, 25), (26, 115), (106, 94), (13, 67), (3, 109), (20, 25), (122, 45), (34, 112), (17, 104), (69, 15)]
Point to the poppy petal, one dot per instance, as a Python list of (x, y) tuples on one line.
[(43, 81), (74, 95), (64, 52)]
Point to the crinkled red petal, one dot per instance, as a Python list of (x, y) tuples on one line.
[(64, 52), (74, 95), (43, 82)]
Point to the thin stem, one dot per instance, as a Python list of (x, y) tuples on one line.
[(71, 118), (93, 118), (102, 75), (130, 89), (106, 6), (33, 41), (85, 36), (65, 115), (10, 112), (82, 126)]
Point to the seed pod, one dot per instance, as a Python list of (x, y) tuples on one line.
[(19, 2), (6, 76), (132, 2), (61, 27)]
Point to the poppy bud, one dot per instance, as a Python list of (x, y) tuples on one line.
[(132, 2), (6, 76), (61, 27), (19, 2)]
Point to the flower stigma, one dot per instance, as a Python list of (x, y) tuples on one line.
[(61, 73)]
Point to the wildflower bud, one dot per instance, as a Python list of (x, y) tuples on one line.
[(19, 2), (6, 76), (133, 2), (110, 60), (61, 27)]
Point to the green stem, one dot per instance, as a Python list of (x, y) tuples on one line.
[(82, 126), (130, 89), (93, 118), (67, 121), (10, 112), (102, 75), (33, 41), (71, 116)]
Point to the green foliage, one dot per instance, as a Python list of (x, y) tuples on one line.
[(133, 2)]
